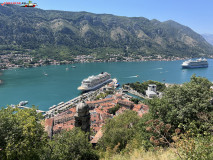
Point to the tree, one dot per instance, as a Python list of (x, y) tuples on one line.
[(21, 134), (119, 130), (114, 109), (69, 145), (135, 100), (181, 105)]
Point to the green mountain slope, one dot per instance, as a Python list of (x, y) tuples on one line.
[(60, 33)]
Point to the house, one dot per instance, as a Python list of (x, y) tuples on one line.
[(151, 92)]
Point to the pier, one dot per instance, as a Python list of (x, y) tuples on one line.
[(24, 107), (61, 107)]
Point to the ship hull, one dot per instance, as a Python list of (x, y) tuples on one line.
[(95, 87), (191, 67)]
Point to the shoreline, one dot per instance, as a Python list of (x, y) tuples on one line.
[(97, 61)]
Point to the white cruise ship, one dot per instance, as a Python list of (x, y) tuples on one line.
[(94, 82), (199, 63)]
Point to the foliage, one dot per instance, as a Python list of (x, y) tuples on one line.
[(196, 147), (142, 154), (21, 134), (181, 105), (69, 145), (142, 87), (101, 96), (135, 100), (114, 109), (142, 136), (161, 132), (119, 131)]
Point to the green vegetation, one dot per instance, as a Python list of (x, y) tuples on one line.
[(21, 134), (180, 121), (101, 96), (69, 145), (22, 137), (181, 106), (114, 109), (135, 100), (119, 131), (142, 87)]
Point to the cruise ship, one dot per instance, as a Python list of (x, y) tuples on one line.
[(199, 63), (94, 82)]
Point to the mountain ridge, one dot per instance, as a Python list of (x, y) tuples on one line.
[(66, 33), (208, 38)]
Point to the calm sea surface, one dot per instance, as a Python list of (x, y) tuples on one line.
[(61, 84)]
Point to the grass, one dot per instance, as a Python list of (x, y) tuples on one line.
[(140, 154)]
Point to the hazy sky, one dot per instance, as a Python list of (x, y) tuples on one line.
[(197, 14)]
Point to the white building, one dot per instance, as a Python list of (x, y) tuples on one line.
[(151, 92)]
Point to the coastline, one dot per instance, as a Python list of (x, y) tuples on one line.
[(93, 61)]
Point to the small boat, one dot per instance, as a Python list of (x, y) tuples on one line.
[(73, 66), (137, 75), (67, 69), (22, 103), (45, 74), (117, 85)]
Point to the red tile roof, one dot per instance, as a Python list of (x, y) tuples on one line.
[(97, 137)]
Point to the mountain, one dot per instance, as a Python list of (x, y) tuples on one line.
[(208, 38), (61, 34)]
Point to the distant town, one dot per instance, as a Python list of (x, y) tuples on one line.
[(13, 60)]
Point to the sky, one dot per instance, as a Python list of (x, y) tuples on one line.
[(196, 14)]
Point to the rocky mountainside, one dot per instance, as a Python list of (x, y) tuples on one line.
[(62, 33), (208, 38)]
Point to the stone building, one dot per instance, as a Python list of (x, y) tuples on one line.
[(82, 117)]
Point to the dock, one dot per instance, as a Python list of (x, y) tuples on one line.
[(24, 107), (61, 107)]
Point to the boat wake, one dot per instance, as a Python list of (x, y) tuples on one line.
[(132, 76)]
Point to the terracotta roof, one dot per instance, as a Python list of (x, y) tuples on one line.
[(97, 137), (101, 101), (125, 102), (49, 122)]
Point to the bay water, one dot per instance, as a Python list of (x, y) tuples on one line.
[(49, 85)]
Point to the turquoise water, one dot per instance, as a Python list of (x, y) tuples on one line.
[(61, 85)]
